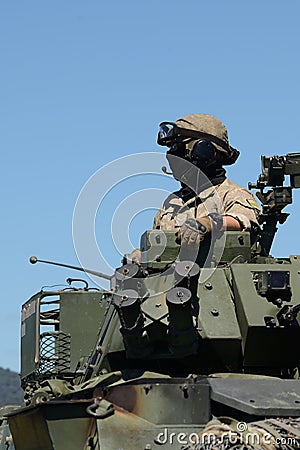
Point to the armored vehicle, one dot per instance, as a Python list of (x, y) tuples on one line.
[(176, 354)]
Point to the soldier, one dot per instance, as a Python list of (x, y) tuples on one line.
[(198, 147), (208, 203)]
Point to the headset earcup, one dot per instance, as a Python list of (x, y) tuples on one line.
[(203, 154)]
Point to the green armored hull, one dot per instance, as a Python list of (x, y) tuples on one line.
[(177, 354)]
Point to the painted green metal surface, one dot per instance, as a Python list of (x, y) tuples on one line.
[(83, 327), (29, 336), (149, 368), (265, 346)]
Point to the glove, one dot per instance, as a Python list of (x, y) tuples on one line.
[(134, 257), (217, 221), (193, 231)]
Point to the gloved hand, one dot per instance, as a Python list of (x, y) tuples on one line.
[(134, 257), (193, 231), (218, 221)]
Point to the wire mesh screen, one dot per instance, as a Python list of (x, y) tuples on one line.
[(54, 352)]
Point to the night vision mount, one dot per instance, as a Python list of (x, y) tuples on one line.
[(274, 170)]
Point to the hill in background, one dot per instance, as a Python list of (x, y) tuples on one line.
[(10, 388)]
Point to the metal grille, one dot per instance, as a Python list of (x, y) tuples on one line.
[(54, 352)]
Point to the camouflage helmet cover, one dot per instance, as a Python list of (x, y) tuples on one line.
[(206, 123)]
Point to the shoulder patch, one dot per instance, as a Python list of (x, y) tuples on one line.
[(253, 203)]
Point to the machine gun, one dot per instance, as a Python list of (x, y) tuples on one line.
[(274, 169)]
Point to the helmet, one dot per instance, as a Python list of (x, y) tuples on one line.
[(203, 136)]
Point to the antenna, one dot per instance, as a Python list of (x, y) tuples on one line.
[(34, 260)]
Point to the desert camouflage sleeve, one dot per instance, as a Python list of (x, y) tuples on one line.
[(241, 204)]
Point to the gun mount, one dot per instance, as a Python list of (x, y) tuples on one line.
[(274, 170), (171, 345)]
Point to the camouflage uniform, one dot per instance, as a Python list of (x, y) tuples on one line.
[(223, 197), (227, 198)]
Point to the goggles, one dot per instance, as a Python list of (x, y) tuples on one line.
[(170, 133)]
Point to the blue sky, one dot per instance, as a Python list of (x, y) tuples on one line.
[(85, 83)]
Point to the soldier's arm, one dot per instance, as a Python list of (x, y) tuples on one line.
[(231, 224), (240, 211)]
